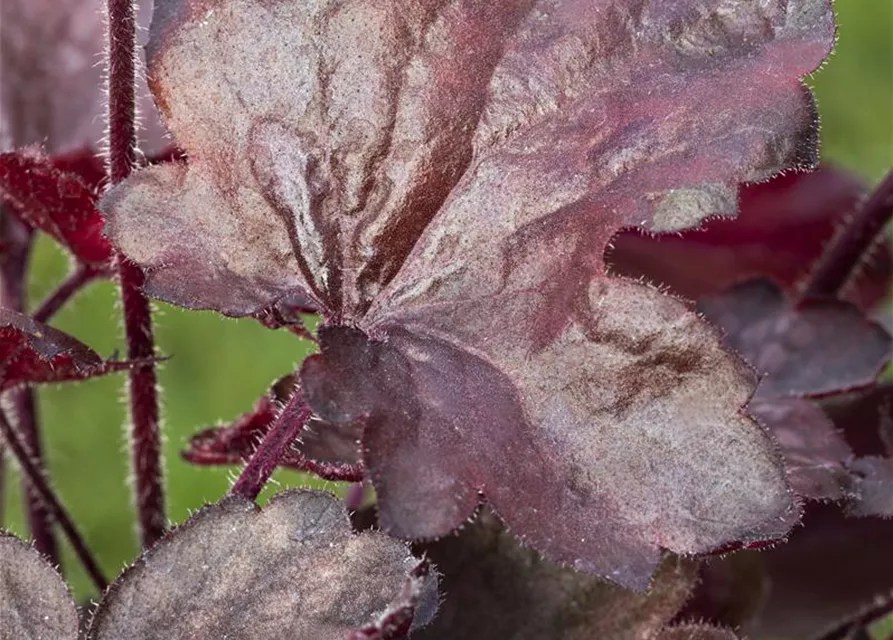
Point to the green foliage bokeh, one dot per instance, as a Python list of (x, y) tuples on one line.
[(218, 367)]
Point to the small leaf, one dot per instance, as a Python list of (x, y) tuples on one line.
[(798, 349), (782, 228), (815, 454), (291, 570), (55, 202), (34, 352), (328, 450), (34, 602), (872, 487), (496, 588)]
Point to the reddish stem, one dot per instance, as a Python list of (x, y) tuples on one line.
[(36, 479), (850, 247), (143, 391), (274, 445), (18, 238), (74, 282)]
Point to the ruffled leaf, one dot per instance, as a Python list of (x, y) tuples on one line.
[(496, 588), (444, 180), (798, 348), (782, 228), (34, 602), (56, 202), (293, 569), (33, 352), (328, 450)]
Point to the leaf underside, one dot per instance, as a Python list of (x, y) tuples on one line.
[(440, 182)]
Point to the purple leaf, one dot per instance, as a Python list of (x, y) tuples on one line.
[(798, 348), (34, 602), (56, 202), (872, 487), (495, 588), (293, 569), (815, 454), (440, 182), (32, 352), (328, 450), (783, 227)]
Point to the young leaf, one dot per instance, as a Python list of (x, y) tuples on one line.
[(328, 450), (797, 348), (56, 202), (782, 228), (291, 570), (34, 602), (441, 182), (496, 588), (33, 352)]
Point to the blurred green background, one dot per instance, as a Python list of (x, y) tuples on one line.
[(219, 367)]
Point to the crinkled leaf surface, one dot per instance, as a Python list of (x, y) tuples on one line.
[(56, 202), (329, 450), (445, 178), (292, 570), (34, 602), (495, 588), (798, 349), (782, 228), (34, 352)]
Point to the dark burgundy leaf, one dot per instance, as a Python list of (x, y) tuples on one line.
[(292, 570), (866, 417), (730, 593), (815, 453), (329, 450), (58, 203), (831, 566), (782, 228), (32, 352), (441, 182), (495, 588), (814, 348), (34, 601), (872, 487)]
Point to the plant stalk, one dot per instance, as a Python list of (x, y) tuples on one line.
[(145, 434), (840, 261), (38, 482), (275, 443), (18, 239), (73, 283)]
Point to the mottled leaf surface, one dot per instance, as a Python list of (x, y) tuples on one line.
[(495, 588), (57, 202), (291, 570), (34, 602), (798, 349), (34, 352), (781, 230), (329, 450), (441, 181)]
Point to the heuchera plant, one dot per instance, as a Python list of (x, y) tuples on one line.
[(572, 331)]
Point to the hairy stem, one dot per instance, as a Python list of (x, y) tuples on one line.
[(145, 432), (73, 283), (849, 248), (38, 481), (275, 443), (13, 269)]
